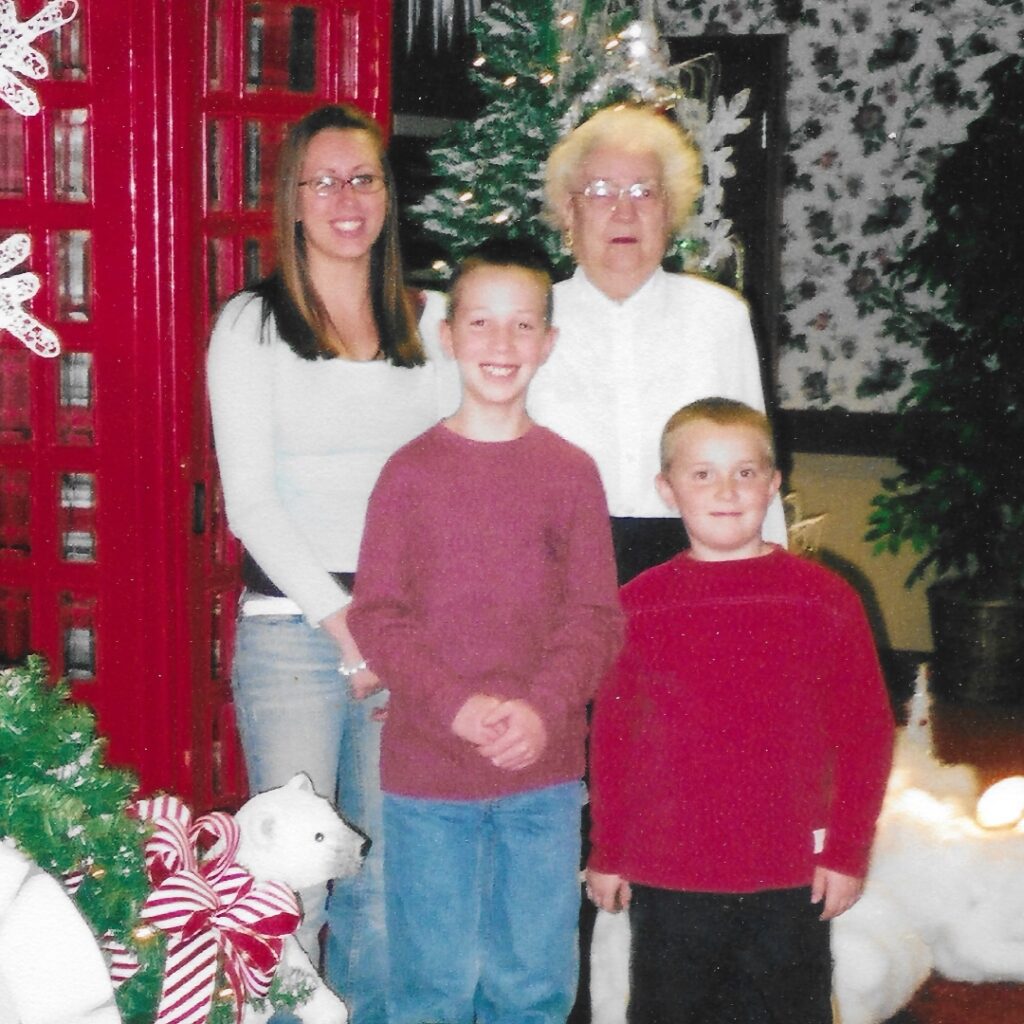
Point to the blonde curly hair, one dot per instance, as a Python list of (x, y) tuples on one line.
[(631, 129)]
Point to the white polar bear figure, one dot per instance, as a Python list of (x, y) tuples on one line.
[(51, 969), (293, 836)]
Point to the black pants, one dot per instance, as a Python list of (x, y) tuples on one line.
[(714, 958)]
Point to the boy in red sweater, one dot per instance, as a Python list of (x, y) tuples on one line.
[(745, 714), (486, 600)]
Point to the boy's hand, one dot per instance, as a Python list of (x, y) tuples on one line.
[(521, 737), (609, 892), (469, 723), (838, 891)]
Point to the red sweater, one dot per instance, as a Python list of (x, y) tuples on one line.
[(485, 567), (746, 710)]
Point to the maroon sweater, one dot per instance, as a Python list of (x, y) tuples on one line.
[(485, 567), (746, 710)]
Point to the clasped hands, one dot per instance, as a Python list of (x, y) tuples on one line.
[(509, 733)]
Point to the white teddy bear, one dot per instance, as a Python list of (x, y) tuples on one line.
[(293, 836)]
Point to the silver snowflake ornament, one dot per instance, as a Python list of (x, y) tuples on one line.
[(17, 57), (18, 289)]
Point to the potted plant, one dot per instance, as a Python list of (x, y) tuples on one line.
[(959, 498)]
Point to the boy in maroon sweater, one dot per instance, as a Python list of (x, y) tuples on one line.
[(745, 714), (486, 600)]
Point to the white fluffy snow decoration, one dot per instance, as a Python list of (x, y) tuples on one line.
[(51, 969), (942, 892)]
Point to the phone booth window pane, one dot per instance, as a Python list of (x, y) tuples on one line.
[(80, 652), (219, 271), (76, 380), (256, 259), (15, 505), (214, 45), (12, 154), (14, 626), (72, 256), (71, 155), (75, 399), (280, 47), (65, 50), (78, 517), (77, 491), (214, 165), (15, 395), (261, 144)]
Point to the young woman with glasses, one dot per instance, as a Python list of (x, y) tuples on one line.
[(316, 376)]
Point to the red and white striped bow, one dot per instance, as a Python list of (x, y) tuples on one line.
[(213, 911)]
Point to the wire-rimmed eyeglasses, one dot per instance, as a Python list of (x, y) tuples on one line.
[(324, 185), (605, 192)]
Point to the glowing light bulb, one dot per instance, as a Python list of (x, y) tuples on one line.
[(503, 217), (465, 197), (547, 78), (1002, 804), (612, 43), (439, 266), (510, 81), (567, 19), (480, 61)]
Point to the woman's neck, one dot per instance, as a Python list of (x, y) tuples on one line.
[(618, 285), (344, 292)]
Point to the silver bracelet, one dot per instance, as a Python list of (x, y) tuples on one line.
[(348, 671)]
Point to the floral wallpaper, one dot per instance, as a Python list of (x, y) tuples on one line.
[(877, 89)]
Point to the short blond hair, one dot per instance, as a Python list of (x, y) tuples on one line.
[(723, 412), (631, 129)]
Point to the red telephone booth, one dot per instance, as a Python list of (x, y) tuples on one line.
[(144, 184)]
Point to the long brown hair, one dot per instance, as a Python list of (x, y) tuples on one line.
[(392, 307)]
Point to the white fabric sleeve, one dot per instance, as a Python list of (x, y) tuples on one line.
[(240, 376), (448, 384)]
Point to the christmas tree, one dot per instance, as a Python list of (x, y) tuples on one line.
[(543, 68)]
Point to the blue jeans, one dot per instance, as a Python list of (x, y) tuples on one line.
[(482, 906), (295, 714)]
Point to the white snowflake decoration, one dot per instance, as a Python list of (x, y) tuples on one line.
[(716, 229), (18, 289), (17, 57)]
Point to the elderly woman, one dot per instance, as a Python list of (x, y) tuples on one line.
[(636, 342)]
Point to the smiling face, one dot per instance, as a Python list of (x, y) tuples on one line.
[(619, 243), (720, 479), (498, 334), (345, 225)]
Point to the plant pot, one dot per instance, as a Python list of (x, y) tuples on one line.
[(979, 645)]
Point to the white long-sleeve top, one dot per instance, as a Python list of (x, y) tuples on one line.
[(619, 370), (300, 444)]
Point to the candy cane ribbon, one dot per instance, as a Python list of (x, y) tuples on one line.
[(213, 912)]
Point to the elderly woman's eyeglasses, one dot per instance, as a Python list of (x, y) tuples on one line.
[(608, 193), (324, 185)]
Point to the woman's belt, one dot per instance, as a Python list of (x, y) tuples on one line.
[(256, 581)]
